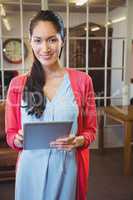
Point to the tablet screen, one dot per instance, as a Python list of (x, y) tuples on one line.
[(38, 135)]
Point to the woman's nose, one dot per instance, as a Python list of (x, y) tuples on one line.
[(45, 46)]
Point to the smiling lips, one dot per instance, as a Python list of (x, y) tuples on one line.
[(45, 57)]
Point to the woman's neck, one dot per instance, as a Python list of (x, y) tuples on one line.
[(54, 71)]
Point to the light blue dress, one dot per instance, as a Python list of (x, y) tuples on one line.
[(50, 174)]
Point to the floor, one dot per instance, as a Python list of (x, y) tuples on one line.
[(106, 177), (106, 180)]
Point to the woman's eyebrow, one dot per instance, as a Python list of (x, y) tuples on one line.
[(39, 37), (36, 37), (52, 36)]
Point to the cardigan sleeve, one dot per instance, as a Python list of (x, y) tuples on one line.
[(89, 114), (11, 115)]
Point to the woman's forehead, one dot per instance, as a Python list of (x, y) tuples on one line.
[(46, 27)]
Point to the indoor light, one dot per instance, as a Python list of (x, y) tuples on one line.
[(2, 10), (119, 19), (115, 21), (108, 23), (6, 24), (80, 2), (95, 28)]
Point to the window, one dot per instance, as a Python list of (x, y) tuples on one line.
[(95, 37)]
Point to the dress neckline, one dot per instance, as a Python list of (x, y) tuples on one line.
[(58, 90)]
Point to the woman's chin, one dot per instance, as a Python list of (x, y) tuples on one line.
[(48, 63)]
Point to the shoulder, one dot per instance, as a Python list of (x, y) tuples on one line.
[(19, 78), (18, 82), (82, 76)]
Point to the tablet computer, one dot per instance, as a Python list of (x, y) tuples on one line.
[(38, 135)]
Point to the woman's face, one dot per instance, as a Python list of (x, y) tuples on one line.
[(46, 43)]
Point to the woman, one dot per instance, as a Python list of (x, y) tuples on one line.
[(51, 92)]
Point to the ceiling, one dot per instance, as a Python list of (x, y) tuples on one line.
[(97, 6)]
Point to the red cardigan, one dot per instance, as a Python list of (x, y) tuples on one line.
[(83, 90)]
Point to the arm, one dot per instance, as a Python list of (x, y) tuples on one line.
[(11, 115), (89, 118)]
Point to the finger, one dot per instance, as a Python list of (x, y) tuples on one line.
[(55, 144), (19, 137), (67, 139), (58, 143), (75, 141), (61, 139), (18, 143), (70, 139), (20, 132)]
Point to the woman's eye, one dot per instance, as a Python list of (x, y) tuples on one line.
[(37, 40), (52, 40)]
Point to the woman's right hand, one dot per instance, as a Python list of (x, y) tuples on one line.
[(18, 139)]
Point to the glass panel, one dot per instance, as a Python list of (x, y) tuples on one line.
[(96, 53), (77, 49), (77, 20), (99, 102), (57, 5), (11, 20), (98, 81), (28, 60), (115, 4), (117, 18), (35, 4), (29, 10), (115, 54), (116, 86), (116, 101), (97, 18), (31, 6), (109, 53), (8, 75), (118, 51)]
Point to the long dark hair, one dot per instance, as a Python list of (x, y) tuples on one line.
[(33, 93)]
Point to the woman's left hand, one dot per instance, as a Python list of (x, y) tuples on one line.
[(68, 143)]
